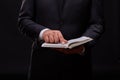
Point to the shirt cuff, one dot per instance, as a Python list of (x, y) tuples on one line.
[(41, 33)]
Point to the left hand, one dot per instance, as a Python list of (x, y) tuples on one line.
[(76, 50)]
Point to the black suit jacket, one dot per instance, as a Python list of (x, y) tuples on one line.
[(74, 19)]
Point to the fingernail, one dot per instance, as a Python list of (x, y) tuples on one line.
[(63, 42)]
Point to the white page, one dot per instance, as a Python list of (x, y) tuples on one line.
[(59, 45), (79, 39)]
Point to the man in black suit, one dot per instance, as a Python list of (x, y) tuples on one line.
[(56, 21)]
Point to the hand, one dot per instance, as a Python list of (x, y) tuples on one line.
[(53, 36), (76, 50)]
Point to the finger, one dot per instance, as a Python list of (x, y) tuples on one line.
[(63, 41), (56, 39), (51, 38), (61, 38), (46, 39)]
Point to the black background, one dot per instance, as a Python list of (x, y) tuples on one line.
[(15, 48)]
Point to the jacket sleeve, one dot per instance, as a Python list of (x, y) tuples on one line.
[(96, 23), (26, 20)]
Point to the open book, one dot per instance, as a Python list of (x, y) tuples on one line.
[(70, 44)]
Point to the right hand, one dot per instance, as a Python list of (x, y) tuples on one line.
[(53, 36)]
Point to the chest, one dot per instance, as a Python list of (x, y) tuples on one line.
[(64, 4)]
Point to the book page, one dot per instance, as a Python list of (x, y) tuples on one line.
[(59, 45), (83, 38), (75, 44)]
